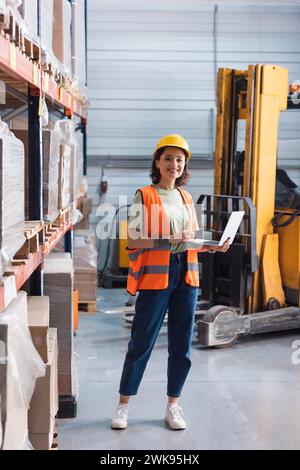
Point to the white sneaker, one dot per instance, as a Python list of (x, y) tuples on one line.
[(119, 420), (174, 417)]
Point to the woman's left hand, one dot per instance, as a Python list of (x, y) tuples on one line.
[(222, 248)]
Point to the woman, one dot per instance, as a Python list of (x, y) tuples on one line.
[(166, 275)]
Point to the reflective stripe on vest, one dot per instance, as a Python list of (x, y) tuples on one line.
[(149, 267), (149, 270), (192, 267), (133, 255)]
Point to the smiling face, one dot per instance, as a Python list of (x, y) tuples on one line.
[(171, 163)]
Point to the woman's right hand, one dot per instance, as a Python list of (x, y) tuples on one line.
[(223, 248)]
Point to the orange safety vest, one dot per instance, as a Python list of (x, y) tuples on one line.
[(149, 267)]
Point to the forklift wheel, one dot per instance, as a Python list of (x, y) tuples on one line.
[(273, 304), (218, 314)]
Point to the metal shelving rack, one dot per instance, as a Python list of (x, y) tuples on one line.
[(26, 79)]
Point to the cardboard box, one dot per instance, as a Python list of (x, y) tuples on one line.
[(85, 258), (61, 40), (46, 25), (86, 233), (58, 285), (9, 287), (85, 254), (86, 206), (64, 175), (86, 284), (51, 154), (38, 322), (29, 11), (78, 41), (84, 223), (41, 441), (44, 402)]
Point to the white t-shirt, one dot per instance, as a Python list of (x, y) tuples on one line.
[(175, 210)]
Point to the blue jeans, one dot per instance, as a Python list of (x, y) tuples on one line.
[(180, 300)]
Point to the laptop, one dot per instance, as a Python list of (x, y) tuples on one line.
[(230, 231)]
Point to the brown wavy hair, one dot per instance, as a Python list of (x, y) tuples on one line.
[(155, 173)]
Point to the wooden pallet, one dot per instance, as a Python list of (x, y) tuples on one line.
[(88, 306), (32, 227), (30, 49), (33, 231), (49, 230), (65, 216)]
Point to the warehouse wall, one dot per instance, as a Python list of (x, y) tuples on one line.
[(151, 71)]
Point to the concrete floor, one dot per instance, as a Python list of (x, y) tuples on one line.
[(242, 397)]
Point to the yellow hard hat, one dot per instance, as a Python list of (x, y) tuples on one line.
[(174, 140)]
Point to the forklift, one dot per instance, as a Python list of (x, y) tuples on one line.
[(254, 286)]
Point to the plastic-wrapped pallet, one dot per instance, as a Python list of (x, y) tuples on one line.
[(11, 192), (67, 163), (85, 258), (51, 154), (62, 33), (58, 285), (22, 134), (46, 25), (62, 166), (85, 207), (64, 175), (78, 164), (20, 366), (29, 12), (78, 41)]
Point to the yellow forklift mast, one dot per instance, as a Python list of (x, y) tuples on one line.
[(254, 287)]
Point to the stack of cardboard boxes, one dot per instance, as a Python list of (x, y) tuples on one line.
[(62, 16), (62, 166), (32, 331), (65, 176), (20, 366), (61, 29), (51, 161), (85, 265), (44, 402), (85, 205), (58, 285)]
